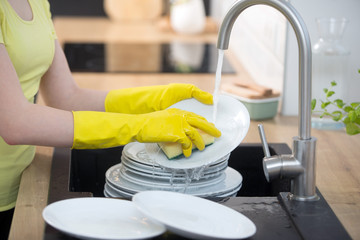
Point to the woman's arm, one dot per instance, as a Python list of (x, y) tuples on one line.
[(59, 89), (22, 122)]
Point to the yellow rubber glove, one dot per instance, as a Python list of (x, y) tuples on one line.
[(104, 130), (152, 98)]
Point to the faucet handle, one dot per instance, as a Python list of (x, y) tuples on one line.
[(263, 141), (278, 166)]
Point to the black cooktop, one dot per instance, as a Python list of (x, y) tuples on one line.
[(144, 58)]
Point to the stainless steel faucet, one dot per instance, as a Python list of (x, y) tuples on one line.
[(299, 166)]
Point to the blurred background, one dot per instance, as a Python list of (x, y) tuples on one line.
[(265, 44)]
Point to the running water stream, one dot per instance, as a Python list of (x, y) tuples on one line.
[(217, 82), (196, 173)]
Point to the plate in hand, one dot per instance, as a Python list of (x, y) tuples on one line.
[(233, 120)]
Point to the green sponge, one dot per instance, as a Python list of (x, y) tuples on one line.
[(174, 150)]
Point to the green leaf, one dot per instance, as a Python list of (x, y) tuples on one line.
[(357, 121), (352, 128), (337, 118), (348, 109), (337, 115), (355, 104), (329, 94), (336, 112), (313, 104), (349, 114), (324, 114), (325, 104), (340, 103), (352, 116), (357, 111)]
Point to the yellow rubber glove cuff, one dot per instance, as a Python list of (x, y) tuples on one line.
[(94, 130), (152, 98)]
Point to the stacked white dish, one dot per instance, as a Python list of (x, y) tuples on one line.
[(137, 173), (205, 173)]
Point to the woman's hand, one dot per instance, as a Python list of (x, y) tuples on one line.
[(153, 98), (105, 130)]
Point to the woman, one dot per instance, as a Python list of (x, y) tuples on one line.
[(31, 59)]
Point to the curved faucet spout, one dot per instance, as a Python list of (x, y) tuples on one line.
[(300, 166), (304, 44)]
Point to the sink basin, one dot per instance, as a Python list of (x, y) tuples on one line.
[(81, 173), (247, 159), (88, 167)]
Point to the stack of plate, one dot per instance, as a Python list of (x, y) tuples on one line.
[(137, 173), (204, 173)]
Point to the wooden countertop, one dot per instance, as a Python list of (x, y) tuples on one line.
[(337, 153)]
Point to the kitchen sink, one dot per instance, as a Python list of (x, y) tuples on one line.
[(81, 173), (88, 167)]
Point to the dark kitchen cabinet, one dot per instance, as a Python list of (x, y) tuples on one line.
[(88, 7), (77, 8)]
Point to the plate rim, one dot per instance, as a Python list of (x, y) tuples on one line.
[(159, 157), (136, 188), (191, 232), (157, 173), (47, 210)]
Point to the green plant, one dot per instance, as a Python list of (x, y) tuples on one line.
[(349, 114)]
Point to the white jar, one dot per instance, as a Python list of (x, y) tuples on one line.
[(187, 16)]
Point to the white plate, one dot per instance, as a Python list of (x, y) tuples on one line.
[(162, 172), (194, 217), (100, 218), (178, 175), (230, 193), (233, 180), (136, 151), (158, 169), (232, 120), (116, 173), (170, 183), (137, 154), (109, 190)]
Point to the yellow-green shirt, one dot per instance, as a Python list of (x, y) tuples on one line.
[(30, 45)]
